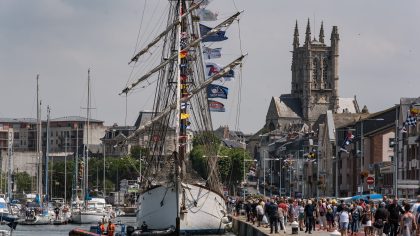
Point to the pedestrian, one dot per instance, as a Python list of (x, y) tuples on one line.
[(395, 211), (408, 222), (322, 210), (301, 215), (260, 213), (309, 216), (366, 220), (248, 210), (273, 215), (381, 215), (282, 213), (330, 217), (111, 228), (344, 220), (355, 217)]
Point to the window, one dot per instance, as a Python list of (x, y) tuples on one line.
[(315, 71), (325, 73)]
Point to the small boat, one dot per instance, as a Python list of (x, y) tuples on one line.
[(93, 213)]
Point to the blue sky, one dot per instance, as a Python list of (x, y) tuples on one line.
[(60, 40)]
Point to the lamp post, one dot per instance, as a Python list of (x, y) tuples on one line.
[(244, 181), (271, 174), (362, 149), (264, 172)]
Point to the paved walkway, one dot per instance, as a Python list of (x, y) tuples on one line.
[(316, 232)]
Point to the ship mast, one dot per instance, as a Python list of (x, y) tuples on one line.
[(86, 160), (39, 141), (47, 153), (178, 124)]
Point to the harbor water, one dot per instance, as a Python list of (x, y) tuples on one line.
[(42, 230)]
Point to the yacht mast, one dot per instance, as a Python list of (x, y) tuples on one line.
[(39, 141), (86, 161), (47, 153)]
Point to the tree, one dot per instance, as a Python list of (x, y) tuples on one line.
[(23, 182)]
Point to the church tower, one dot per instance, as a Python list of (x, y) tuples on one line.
[(315, 73)]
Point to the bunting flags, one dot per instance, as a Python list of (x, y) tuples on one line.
[(214, 68), (347, 141), (411, 118), (185, 116), (212, 53), (183, 54), (217, 91), (216, 37), (216, 106)]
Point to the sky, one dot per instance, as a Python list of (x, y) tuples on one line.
[(61, 39)]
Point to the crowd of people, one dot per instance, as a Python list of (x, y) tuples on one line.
[(374, 218)]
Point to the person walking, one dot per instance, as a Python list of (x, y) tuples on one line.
[(395, 211), (355, 217), (408, 222), (367, 221), (110, 228), (344, 219), (309, 216), (380, 217), (260, 213), (273, 215)]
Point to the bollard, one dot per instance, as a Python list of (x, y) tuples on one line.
[(295, 227)]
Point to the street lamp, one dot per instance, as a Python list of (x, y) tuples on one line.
[(245, 174), (362, 149), (271, 174)]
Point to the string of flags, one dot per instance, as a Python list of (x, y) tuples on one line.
[(209, 53), (347, 141), (411, 119)]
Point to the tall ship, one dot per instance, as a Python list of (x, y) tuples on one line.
[(172, 197)]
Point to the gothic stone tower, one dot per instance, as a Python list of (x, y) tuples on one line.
[(315, 73)]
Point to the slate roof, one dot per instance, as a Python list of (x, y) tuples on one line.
[(75, 118), (18, 120), (144, 116), (61, 119), (288, 106)]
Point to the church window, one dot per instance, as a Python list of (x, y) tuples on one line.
[(315, 75), (325, 72)]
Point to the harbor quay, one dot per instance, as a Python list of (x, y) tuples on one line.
[(241, 227)]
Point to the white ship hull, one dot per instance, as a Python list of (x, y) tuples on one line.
[(205, 209), (87, 217)]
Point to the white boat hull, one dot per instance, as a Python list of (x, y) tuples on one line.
[(204, 213), (85, 217)]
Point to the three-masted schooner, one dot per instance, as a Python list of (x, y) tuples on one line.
[(170, 196)]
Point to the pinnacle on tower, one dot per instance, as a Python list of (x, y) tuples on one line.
[(296, 37), (334, 33), (308, 33), (321, 33)]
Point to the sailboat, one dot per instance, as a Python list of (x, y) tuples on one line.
[(93, 209), (173, 199), (32, 215)]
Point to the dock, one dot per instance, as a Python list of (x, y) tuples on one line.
[(243, 228)]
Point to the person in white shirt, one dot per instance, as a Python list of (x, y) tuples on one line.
[(344, 220)]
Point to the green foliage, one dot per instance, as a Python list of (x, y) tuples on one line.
[(206, 138), (23, 181), (199, 160), (230, 163), (137, 151)]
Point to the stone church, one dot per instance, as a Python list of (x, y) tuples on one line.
[(314, 87)]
